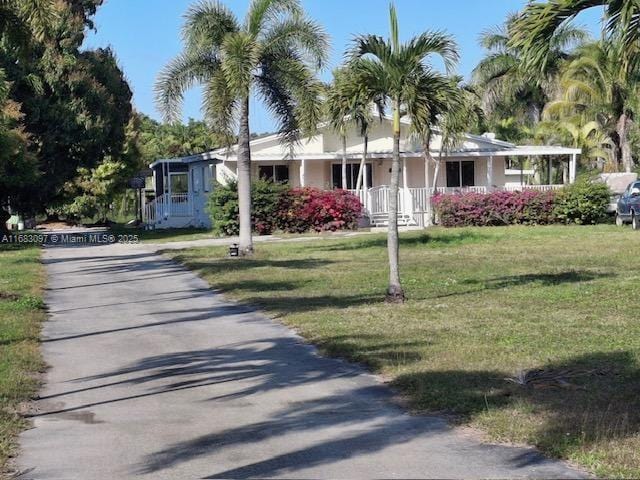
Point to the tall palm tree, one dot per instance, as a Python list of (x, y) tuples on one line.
[(351, 103), (597, 85), (506, 83), (275, 54), (401, 73)]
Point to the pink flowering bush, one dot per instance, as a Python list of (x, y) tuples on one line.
[(529, 207), (304, 209)]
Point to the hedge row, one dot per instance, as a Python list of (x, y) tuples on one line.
[(277, 207), (584, 202)]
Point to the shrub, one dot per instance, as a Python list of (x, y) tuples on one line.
[(265, 198), (529, 207), (584, 202), (304, 209), (275, 206)]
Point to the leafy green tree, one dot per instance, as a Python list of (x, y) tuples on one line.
[(401, 74), (18, 167), (76, 104), (275, 53), (172, 140)]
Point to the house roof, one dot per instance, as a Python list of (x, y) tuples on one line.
[(201, 157), (473, 146)]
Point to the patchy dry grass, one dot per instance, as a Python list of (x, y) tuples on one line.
[(484, 305), (21, 315)]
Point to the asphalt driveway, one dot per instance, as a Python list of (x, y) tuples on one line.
[(154, 375)]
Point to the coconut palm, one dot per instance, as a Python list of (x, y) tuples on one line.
[(596, 85), (506, 83), (401, 73), (274, 54)]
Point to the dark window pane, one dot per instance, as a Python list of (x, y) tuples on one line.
[(468, 174), (282, 173), (265, 172), (336, 175), (453, 174)]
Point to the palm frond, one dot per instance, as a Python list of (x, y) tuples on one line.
[(370, 45), (302, 34), (239, 58), (262, 12), (429, 43), (206, 25), (220, 107), (177, 77)]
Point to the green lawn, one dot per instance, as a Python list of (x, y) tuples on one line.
[(484, 304), (21, 314)]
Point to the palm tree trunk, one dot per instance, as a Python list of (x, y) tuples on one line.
[(395, 294), (244, 181), (344, 162), (428, 159), (622, 129)]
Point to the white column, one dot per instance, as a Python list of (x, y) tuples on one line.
[(489, 174), (303, 167), (573, 167), (405, 191), (365, 186)]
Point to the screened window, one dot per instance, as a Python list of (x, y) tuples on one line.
[(461, 174), (274, 173), (353, 169)]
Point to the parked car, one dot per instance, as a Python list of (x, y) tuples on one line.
[(628, 208)]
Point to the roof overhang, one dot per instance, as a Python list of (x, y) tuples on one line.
[(506, 152), (201, 157)]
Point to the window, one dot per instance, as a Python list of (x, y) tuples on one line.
[(460, 174), (179, 183), (353, 169), (275, 173)]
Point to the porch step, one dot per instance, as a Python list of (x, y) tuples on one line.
[(382, 220)]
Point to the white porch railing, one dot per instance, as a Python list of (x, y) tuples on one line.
[(542, 188), (413, 203), (165, 206)]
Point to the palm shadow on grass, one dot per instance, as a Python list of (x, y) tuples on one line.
[(586, 399), (425, 239)]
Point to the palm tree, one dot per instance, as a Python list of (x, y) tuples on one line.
[(596, 85), (275, 54), (350, 102), (400, 73), (535, 26), (504, 81)]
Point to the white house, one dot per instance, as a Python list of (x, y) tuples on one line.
[(478, 165)]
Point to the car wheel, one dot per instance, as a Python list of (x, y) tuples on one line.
[(619, 221), (635, 222)]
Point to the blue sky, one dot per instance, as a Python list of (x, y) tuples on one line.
[(145, 34)]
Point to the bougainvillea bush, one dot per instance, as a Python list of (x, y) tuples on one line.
[(277, 207), (529, 207), (265, 198), (309, 208)]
